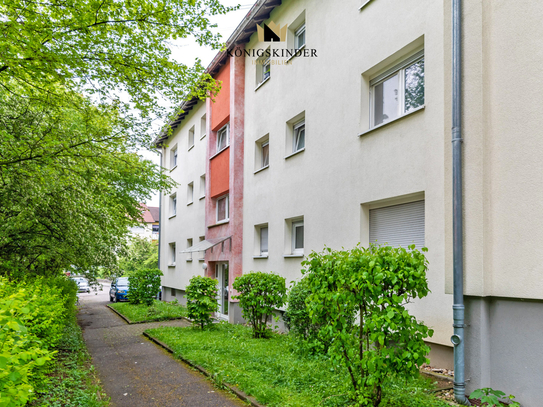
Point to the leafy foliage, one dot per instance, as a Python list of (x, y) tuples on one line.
[(305, 332), (373, 284), (141, 253), (144, 286), (32, 319), (492, 397), (201, 296), (260, 294)]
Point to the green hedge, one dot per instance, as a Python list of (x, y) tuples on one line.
[(32, 319)]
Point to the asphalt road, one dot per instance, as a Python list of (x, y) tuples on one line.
[(134, 371)]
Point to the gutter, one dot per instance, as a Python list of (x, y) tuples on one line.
[(458, 244), (159, 213)]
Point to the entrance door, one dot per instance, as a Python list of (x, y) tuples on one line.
[(221, 274)]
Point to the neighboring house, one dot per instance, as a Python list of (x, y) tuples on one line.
[(350, 142), (149, 225)]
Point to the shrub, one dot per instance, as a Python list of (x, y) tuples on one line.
[(201, 296), (259, 295), (305, 333), (374, 285), (144, 286)]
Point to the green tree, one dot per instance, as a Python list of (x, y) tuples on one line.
[(144, 286), (374, 285), (141, 253), (201, 296)]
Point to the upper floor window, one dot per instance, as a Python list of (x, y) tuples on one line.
[(191, 137), (203, 126), (263, 67), (398, 91), (222, 209), (173, 205), (263, 240), (299, 136), (173, 157), (223, 138), (298, 237), (299, 37)]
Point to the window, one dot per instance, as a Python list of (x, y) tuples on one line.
[(190, 193), (172, 292), (202, 253), (265, 154), (173, 205), (398, 225), (189, 245), (263, 67), (202, 186), (222, 138), (172, 254), (203, 128), (173, 157), (262, 153), (222, 209), (191, 137), (298, 237), (397, 91), (299, 136), (263, 240), (299, 37)]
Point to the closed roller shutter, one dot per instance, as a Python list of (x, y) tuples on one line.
[(398, 225)]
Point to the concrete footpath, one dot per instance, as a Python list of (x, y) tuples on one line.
[(134, 371)]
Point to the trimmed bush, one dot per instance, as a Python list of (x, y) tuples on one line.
[(144, 286), (375, 285), (260, 294), (201, 296)]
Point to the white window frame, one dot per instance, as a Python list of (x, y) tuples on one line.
[(192, 130), (296, 134), (262, 252), (202, 253), (297, 34), (227, 209), (172, 254), (202, 186), (203, 126), (190, 193), (189, 244), (397, 70), (264, 144), (173, 205), (226, 130), (295, 224), (266, 63), (174, 158)]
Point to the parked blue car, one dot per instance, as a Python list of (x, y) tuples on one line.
[(119, 290)]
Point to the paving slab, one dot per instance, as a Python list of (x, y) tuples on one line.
[(134, 371)]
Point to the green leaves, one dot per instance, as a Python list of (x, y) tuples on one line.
[(201, 296), (492, 397), (260, 294), (357, 298), (144, 286)]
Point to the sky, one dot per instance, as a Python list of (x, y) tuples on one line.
[(187, 50)]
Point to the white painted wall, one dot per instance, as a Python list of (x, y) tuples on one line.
[(189, 222), (340, 176)]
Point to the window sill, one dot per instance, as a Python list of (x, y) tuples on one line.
[(218, 152), (191, 147), (201, 259), (203, 137), (294, 153), (190, 203), (222, 222), (172, 216), (202, 197), (189, 260), (392, 121), (294, 55), (262, 83), (171, 265), (260, 257), (171, 169), (293, 255), (262, 169), (364, 5)]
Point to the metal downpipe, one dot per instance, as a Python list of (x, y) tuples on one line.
[(458, 250)]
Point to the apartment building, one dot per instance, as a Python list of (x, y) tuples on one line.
[(342, 135)]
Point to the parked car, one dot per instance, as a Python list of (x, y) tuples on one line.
[(82, 283), (119, 289)]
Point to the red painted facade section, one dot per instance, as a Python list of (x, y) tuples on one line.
[(219, 168), (228, 107), (221, 105)]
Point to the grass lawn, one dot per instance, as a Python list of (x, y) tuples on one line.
[(159, 311), (72, 381), (270, 371)]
